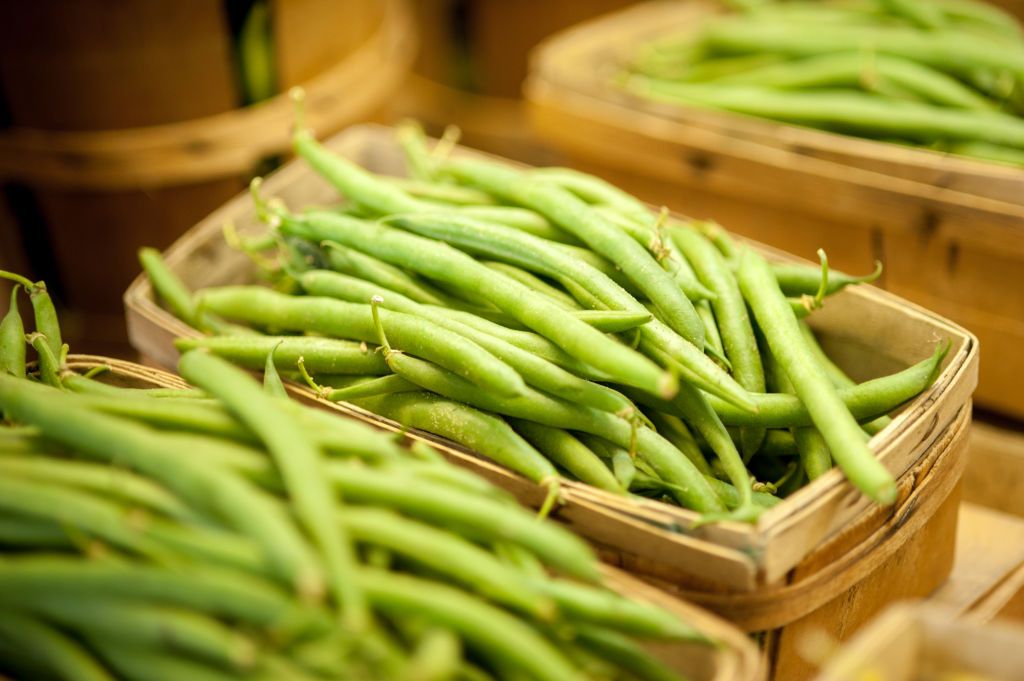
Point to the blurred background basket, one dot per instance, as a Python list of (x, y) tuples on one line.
[(128, 124)]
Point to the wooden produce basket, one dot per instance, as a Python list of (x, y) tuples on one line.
[(826, 556), (734, 659), (949, 230), (128, 126), (920, 642), (987, 581)]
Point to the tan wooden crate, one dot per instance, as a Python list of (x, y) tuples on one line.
[(987, 581), (949, 230), (735, 659), (995, 469), (825, 539), (923, 642)]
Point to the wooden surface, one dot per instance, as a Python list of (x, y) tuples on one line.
[(924, 642), (987, 581), (950, 231), (995, 470), (735, 659), (735, 556)]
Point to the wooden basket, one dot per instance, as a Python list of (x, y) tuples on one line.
[(127, 128), (949, 230), (735, 659), (730, 566), (916, 642)]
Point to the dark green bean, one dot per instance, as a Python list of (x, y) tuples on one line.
[(12, 339), (828, 412), (358, 264)]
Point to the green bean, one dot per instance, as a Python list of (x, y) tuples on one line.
[(90, 386), (144, 664), (815, 459), (358, 185), (647, 233), (297, 457), (484, 433), (572, 214), (436, 656), (988, 152), (23, 531), (149, 626), (849, 111), (348, 320), (493, 632), (321, 355), (557, 296), (618, 458), (675, 431), (569, 453), (982, 14), (440, 261), (557, 413), (50, 648), (203, 588), (159, 456), (593, 605), (838, 378), (731, 497), (102, 479), (856, 68), (828, 412), (358, 264), (12, 339), (525, 249), (419, 162), (448, 555), (955, 51), (475, 516), (49, 364), (372, 387), (170, 289), (442, 193), (624, 654), (799, 280), (923, 15), (523, 219), (731, 316)]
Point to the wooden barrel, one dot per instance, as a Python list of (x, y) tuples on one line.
[(127, 126)]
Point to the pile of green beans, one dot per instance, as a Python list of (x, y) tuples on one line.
[(943, 74), (226, 532), (549, 321)]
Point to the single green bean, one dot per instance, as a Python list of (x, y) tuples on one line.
[(730, 313), (320, 355), (829, 413), (799, 280), (569, 453), (557, 296), (440, 192), (12, 339)]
